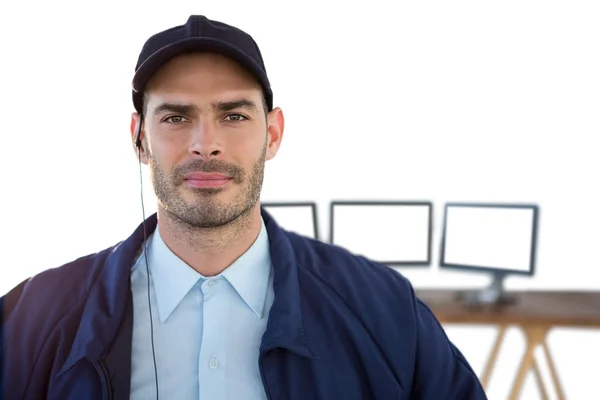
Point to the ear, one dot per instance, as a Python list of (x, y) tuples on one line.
[(136, 121), (275, 125)]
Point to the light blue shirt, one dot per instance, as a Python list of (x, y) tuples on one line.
[(207, 331)]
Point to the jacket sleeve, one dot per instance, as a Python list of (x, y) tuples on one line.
[(7, 305), (441, 370)]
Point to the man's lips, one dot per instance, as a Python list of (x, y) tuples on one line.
[(205, 176), (206, 179)]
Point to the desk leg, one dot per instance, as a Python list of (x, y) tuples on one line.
[(489, 366), (540, 380), (535, 336), (559, 391)]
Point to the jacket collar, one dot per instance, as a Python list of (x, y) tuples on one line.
[(284, 326), (105, 305)]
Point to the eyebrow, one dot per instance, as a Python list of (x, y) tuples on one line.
[(235, 104), (222, 106), (186, 109)]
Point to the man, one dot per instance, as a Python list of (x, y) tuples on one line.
[(210, 298)]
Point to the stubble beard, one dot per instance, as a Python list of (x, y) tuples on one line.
[(206, 210)]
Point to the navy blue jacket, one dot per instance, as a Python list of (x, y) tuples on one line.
[(341, 328)]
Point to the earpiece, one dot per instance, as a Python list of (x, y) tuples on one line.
[(138, 133)]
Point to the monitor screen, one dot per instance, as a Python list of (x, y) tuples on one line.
[(393, 233), (493, 237), (300, 218)]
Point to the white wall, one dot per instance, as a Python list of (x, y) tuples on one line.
[(442, 101)]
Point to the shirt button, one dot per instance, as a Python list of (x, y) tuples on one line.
[(212, 283), (214, 363)]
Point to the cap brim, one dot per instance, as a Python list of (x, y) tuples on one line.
[(149, 67)]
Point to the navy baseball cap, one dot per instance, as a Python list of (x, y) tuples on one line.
[(204, 35)]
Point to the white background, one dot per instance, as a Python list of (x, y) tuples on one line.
[(437, 100)]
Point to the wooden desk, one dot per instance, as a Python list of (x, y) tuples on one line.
[(536, 313)]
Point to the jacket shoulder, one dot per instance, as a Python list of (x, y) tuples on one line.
[(353, 276), (55, 289), (331, 261), (39, 320)]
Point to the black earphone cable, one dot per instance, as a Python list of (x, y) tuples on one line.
[(139, 146)]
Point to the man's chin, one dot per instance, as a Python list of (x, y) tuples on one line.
[(213, 198)]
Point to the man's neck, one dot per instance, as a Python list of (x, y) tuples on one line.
[(209, 251)]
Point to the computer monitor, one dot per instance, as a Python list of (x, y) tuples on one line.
[(300, 218), (495, 238), (395, 233)]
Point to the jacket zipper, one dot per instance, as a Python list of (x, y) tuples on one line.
[(103, 373)]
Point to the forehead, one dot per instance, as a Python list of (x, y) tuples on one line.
[(203, 77)]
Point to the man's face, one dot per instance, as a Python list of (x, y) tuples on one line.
[(206, 137)]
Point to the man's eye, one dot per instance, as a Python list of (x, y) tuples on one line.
[(235, 117), (175, 119)]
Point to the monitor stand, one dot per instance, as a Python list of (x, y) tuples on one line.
[(494, 294)]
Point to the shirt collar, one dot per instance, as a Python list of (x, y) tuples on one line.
[(173, 278), (249, 274)]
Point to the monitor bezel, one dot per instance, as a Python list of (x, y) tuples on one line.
[(464, 267), (404, 263)]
